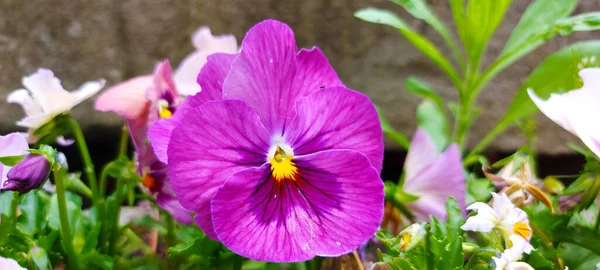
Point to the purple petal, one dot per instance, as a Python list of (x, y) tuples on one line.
[(270, 77), (438, 180), (421, 153), (333, 206), (211, 79), (169, 203), (217, 140), (213, 75), (336, 118)]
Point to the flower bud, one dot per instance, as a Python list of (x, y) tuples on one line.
[(28, 174)]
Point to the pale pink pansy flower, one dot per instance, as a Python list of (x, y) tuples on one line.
[(128, 99), (13, 144), (576, 110), (433, 177), (44, 97)]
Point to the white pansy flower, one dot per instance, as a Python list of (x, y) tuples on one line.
[(44, 97), (576, 110), (504, 217), (509, 259), (10, 264)]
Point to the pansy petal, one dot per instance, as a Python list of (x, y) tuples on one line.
[(23, 98), (222, 148), (211, 79), (336, 118), (47, 90), (163, 83), (170, 203), (263, 72), (13, 144), (204, 40), (206, 44), (421, 153), (127, 99), (294, 220), (270, 77), (441, 178), (484, 221), (213, 74), (87, 90)]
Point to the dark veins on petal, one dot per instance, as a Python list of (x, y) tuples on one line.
[(276, 200)]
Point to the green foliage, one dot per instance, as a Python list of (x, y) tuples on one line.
[(441, 248), (391, 132), (11, 160), (434, 122), (386, 17)]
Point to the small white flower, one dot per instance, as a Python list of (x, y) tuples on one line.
[(508, 260), (411, 236), (10, 264), (504, 217), (44, 97)]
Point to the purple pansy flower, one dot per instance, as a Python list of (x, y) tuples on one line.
[(278, 159), (433, 177)]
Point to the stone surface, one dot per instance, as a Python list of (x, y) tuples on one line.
[(117, 39)]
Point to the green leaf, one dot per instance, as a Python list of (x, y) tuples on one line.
[(539, 15), (478, 189), (578, 258), (391, 132), (581, 236), (481, 258), (386, 17), (582, 22), (39, 257), (434, 122), (420, 9), (11, 160), (445, 240), (481, 19), (558, 72), (417, 87), (538, 261), (201, 246), (94, 260), (33, 214)]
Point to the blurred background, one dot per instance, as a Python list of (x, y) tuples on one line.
[(118, 39)]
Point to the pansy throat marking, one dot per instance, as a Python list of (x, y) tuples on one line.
[(281, 158)]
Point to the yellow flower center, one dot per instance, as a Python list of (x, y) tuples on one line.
[(405, 241), (163, 109), (522, 229), (282, 165)]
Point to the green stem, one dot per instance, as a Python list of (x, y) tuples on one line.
[(547, 243), (114, 233), (171, 240), (138, 242), (597, 224), (124, 142), (87, 160), (65, 227)]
